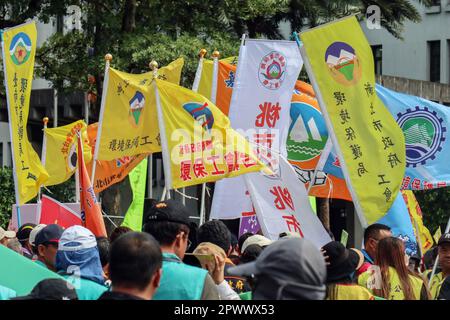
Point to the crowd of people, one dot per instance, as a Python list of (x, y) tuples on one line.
[(173, 259)]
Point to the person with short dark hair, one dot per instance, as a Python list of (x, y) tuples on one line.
[(251, 253), (216, 232), (46, 244), (135, 267), (168, 222), (23, 235), (103, 246), (117, 232), (372, 235)]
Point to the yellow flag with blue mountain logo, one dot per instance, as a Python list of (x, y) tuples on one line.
[(340, 65), (61, 151), (129, 125), (19, 49), (198, 143)]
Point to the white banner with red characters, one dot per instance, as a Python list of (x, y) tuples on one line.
[(282, 204), (260, 104)]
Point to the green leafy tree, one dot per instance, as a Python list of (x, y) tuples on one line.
[(7, 197), (435, 205)]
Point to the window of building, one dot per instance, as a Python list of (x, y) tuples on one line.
[(434, 7), (1, 154), (60, 23), (434, 60), (377, 52)]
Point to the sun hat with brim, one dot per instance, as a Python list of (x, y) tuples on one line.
[(6, 234), (256, 239), (76, 238), (209, 248), (342, 262)]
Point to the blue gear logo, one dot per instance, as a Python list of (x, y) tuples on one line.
[(424, 132)]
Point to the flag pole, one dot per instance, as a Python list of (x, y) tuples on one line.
[(44, 152), (153, 65), (108, 59), (215, 55), (16, 185), (433, 273), (195, 85)]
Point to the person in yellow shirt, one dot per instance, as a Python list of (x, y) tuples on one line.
[(444, 263), (390, 277), (342, 264)]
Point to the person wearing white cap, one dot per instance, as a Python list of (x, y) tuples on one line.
[(32, 239), (78, 261), (256, 239), (5, 236)]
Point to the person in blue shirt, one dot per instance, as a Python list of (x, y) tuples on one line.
[(78, 261), (168, 222)]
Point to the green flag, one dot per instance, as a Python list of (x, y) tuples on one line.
[(21, 274), (133, 217)]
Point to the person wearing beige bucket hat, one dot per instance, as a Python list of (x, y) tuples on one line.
[(5, 236)]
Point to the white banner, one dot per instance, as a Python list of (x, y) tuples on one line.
[(282, 204), (265, 78)]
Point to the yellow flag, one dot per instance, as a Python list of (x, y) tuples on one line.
[(370, 144), (61, 151), (206, 78), (415, 214), (19, 48), (129, 125), (437, 235), (198, 142)]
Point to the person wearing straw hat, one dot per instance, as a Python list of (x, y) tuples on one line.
[(342, 264), (5, 236)]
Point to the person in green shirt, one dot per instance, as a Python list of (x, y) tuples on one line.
[(168, 222), (78, 261), (6, 293)]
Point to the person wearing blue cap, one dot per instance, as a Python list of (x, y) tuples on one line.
[(78, 261)]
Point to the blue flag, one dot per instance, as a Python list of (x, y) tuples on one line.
[(400, 223), (424, 124)]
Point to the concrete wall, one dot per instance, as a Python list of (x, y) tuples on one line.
[(5, 152), (408, 58)]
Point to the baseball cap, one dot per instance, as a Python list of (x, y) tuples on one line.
[(49, 234), (256, 239), (294, 266), (445, 238), (51, 289), (34, 233), (8, 234), (169, 210), (76, 238), (24, 231)]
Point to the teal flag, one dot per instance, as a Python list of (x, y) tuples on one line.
[(133, 217), (21, 274)]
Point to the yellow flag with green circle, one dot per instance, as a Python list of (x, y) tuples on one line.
[(370, 144), (129, 126), (198, 143), (61, 151), (19, 49)]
